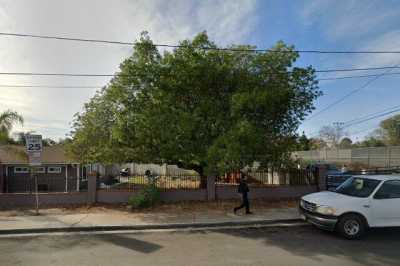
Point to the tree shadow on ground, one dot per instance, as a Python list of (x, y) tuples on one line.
[(130, 243), (380, 246), (62, 242)]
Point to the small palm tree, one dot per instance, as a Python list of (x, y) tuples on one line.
[(7, 120)]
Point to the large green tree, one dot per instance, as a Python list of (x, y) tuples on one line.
[(370, 141), (389, 130), (198, 106), (303, 143)]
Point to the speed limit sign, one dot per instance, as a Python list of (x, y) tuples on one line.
[(33, 143)]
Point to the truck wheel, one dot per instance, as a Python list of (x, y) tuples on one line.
[(351, 226)]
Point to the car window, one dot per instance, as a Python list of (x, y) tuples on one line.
[(389, 190), (358, 187), (332, 168)]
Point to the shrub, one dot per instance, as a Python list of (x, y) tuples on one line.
[(148, 197)]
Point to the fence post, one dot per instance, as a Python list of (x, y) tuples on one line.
[(210, 188), (164, 169), (2, 174), (368, 157), (92, 188), (321, 177)]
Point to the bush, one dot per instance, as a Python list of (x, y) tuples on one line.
[(148, 197)]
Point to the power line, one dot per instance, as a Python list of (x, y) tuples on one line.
[(100, 86), (372, 114), (47, 128), (62, 38), (66, 38), (353, 92), (371, 118), (357, 69), (362, 131), (363, 119), (119, 74), (48, 86), (56, 74), (359, 76)]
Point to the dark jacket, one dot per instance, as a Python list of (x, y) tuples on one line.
[(243, 187)]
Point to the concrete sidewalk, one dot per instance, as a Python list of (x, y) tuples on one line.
[(48, 221)]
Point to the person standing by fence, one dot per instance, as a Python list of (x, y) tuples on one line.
[(243, 189)]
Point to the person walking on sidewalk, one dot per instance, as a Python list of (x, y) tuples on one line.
[(243, 189)]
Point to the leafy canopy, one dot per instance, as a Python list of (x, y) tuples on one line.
[(8, 119), (206, 109), (390, 130)]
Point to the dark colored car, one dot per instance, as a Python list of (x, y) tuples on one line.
[(335, 177), (335, 180)]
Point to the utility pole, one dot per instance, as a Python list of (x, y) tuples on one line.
[(338, 126)]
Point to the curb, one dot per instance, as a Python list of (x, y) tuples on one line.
[(270, 223)]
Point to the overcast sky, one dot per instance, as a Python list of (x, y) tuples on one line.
[(352, 25)]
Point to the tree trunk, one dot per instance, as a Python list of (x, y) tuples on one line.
[(199, 169), (203, 179)]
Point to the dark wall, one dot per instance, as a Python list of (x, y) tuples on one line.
[(52, 182), (104, 196), (276, 192), (9, 201), (2, 179)]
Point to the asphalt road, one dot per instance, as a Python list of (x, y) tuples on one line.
[(268, 246)]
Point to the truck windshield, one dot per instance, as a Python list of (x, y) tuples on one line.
[(358, 187)]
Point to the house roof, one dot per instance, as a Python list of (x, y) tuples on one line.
[(13, 154)]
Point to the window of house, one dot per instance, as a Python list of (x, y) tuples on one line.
[(21, 170), (40, 170), (54, 170)]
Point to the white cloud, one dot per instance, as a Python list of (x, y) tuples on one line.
[(389, 41), (348, 19), (167, 22)]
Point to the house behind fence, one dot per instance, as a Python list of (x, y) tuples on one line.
[(57, 173), (369, 157), (64, 182)]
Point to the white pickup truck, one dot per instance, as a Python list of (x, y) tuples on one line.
[(359, 203)]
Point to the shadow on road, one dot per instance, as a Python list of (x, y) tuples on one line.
[(130, 243), (65, 242), (379, 247)]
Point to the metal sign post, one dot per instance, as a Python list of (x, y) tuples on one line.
[(34, 149), (36, 190)]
